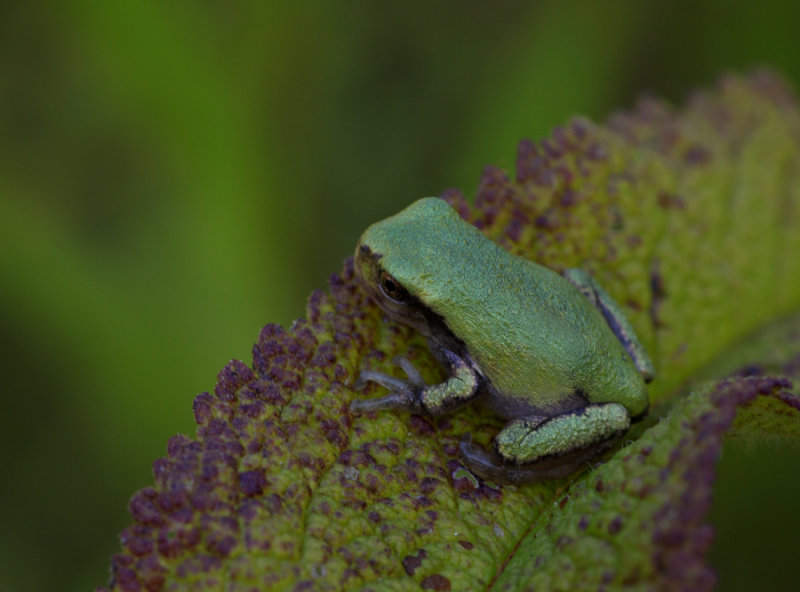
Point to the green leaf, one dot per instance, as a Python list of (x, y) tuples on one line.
[(687, 217)]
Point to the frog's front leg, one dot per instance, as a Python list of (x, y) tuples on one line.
[(533, 449), (414, 395), (615, 318)]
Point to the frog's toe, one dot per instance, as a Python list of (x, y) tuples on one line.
[(414, 376), (404, 394), (385, 380), (482, 462)]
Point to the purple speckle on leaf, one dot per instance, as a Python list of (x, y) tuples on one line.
[(436, 582)]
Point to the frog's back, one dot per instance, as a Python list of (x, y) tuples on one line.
[(547, 342)]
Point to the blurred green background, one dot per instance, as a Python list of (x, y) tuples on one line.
[(174, 175)]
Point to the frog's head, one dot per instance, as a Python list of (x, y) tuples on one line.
[(399, 261), (388, 291)]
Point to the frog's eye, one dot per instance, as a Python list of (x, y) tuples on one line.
[(392, 289)]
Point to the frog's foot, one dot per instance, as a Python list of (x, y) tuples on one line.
[(405, 394), (415, 395), (533, 449), (490, 466)]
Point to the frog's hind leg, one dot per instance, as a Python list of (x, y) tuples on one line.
[(615, 318), (535, 449)]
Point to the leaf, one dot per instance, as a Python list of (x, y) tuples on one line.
[(774, 351), (688, 219)]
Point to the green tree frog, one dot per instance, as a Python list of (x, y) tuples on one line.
[(552, 354)]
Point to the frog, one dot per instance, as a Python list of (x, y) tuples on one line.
[(551, 353)]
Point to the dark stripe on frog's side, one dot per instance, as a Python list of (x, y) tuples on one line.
[(511, 407), (622, 335)]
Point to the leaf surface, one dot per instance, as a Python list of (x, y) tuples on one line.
[(688, 218)]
